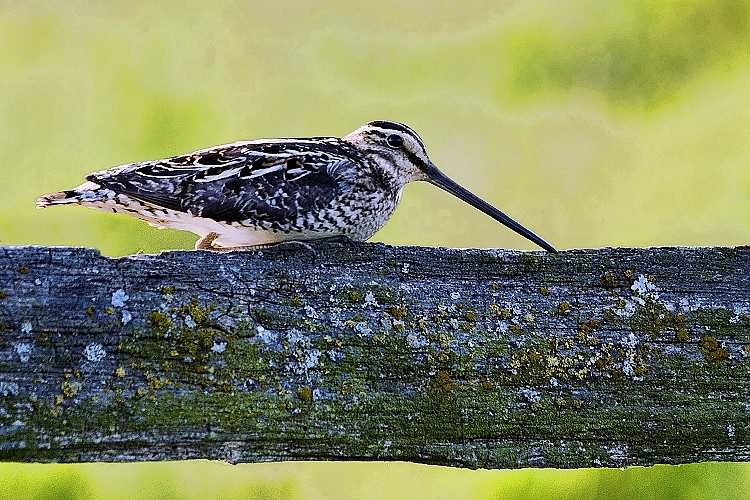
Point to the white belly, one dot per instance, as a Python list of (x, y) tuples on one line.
[(230, 234)]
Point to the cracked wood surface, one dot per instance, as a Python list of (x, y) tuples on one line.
[(468, 358)]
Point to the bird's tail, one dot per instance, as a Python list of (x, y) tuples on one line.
[(61, 198), (87, 192)]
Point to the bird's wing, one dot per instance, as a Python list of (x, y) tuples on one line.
[(272, 181)]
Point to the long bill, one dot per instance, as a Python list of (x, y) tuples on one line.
[(444, 182)]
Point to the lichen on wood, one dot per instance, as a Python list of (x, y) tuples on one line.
[(470, 358)]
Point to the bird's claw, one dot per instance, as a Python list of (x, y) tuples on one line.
[(207, 243)]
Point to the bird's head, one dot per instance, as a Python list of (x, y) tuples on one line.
[(399, 149), (402, 151)]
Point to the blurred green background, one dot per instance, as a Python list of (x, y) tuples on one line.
[(621, 123)]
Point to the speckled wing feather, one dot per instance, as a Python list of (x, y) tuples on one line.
[(270, 183)]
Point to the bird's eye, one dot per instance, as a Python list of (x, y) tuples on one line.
[(395, 141)]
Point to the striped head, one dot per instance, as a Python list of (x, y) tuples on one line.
[(396, 148), (400, 152)]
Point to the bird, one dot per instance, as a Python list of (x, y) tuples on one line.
[(259, 193)]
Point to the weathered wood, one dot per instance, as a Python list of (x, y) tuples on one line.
[(471, 358)]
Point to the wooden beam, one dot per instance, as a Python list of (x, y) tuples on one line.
[(467, 358)]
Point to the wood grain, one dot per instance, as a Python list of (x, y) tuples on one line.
[(467, 358)]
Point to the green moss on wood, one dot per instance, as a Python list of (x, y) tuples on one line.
[(263, 317), (160, 322), (531, 263), (564, 307), (608, 280), (305, 393), (421, 384), (354, 296), (197, 312), (397, 312), (712, 351)]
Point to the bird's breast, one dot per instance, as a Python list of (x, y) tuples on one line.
[(364, 212)]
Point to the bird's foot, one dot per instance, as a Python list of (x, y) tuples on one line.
[(344, 240), (252, 248), (304, 245), (207, 243)]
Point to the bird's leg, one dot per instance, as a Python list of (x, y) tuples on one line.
[(294, 242), (331, 239), (207, 242), (266, 245), (338, 239)]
